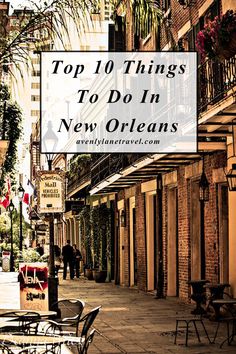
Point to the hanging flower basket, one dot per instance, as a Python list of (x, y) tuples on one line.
[(228, 50), (218, 38)]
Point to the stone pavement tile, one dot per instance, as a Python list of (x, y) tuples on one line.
[(132, 348), (135, 322)]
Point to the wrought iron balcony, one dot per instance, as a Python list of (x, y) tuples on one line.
[(108, 164), (77, 180), (215, 80)]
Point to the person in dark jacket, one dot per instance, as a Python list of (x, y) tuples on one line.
[(39, 249), (77, 259), (68, 254)]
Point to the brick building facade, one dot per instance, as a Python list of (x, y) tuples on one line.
[(164, 236)]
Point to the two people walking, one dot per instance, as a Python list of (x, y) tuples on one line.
[(72, 256)]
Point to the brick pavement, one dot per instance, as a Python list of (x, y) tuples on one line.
[(135, 322)]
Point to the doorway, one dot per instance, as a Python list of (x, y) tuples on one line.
[(133, 243), (172, 245), (121, 251), (151, 244), (223, 234), (195, 232)]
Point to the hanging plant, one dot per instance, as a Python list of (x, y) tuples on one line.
[(145, 14), (218, 38)]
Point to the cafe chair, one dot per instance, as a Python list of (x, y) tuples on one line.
[(69, 311), (186, 323), (42, 327), (81, 343), (82, 339)]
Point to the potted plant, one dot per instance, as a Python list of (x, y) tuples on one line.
[(218, 38), (88, 271)]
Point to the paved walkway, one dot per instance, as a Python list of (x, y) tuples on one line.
[(135, 322)]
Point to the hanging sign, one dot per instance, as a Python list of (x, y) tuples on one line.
[(51, 191), (33, 279)]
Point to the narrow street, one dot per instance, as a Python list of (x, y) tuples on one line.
[(134, 322)]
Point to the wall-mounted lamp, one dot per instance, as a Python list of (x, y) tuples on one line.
[(186, 3), (231, 175), (203, 185), (231, 178), (123, 219)]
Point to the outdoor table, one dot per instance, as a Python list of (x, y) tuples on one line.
[(46, 314), (217, 305), (198, 295), (216, 293), (26, 341)]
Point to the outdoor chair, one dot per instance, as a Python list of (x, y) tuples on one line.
[(42, 327), (69, 312), (186, 323), (81, 343), (82, 338)]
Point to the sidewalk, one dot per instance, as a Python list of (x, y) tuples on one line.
[(135, 322)]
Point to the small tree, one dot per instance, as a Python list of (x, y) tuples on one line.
[(10, 129), (53, 15)]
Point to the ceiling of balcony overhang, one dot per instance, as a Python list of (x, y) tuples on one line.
[(132, 175), (219, 125), (214, 127)]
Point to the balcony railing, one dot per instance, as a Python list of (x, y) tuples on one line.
[(75, 181), (109, 164), (215, 79)]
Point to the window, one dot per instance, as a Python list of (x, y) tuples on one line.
[(35, 61), (165, 5), (35, 73), (35, 85), (35, 98), (34, 113)]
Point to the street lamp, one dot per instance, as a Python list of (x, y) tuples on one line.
[(50, 141), (231, 178), (11, 208), (21, 192)]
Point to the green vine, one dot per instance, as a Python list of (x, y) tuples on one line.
[(78, 164), (85, 232), (10, 119), (100, 218)]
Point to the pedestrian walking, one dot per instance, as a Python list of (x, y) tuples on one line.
[(67, 254), (77, 258), (39, 249)]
